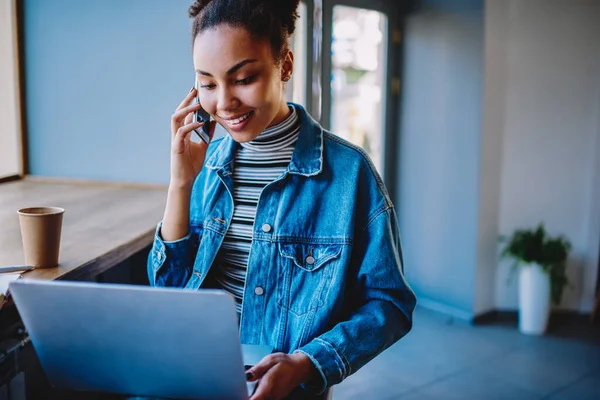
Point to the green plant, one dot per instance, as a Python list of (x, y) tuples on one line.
[(527, 246)]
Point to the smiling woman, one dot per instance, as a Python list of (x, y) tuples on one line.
[(10, 157), (247, 97), (243, 65), (294, 222)]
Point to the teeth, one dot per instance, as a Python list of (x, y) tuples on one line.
[(238, 120)]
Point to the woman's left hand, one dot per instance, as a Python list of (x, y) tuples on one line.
[(279, 373)]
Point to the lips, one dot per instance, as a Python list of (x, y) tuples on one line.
[(237, 120)]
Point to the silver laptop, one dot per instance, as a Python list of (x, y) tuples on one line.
[(137, 340)]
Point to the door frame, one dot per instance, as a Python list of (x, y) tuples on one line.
[(392, 82)]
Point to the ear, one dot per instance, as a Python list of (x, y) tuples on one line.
[(287, 66)]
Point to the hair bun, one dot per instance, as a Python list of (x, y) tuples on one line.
[(197, 7), (274, 20), (287, 11)]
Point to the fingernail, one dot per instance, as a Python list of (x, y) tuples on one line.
[(249, 376)]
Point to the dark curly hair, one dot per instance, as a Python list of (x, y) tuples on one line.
[(272, 20)]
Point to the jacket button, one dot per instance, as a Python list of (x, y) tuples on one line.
[(159, 256), (266, 228), (258, 291), (310, 260)]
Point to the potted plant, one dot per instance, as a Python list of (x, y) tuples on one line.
[(541, 262)]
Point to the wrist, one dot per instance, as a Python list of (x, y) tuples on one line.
[(305, 364), (180, 187)]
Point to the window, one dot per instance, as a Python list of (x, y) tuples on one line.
[(358, 70), (296, 88), (10, 144)]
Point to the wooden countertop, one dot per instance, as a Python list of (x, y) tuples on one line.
[(103, 224)]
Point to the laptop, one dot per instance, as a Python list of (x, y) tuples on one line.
[(137, 340)]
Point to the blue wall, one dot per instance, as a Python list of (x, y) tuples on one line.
[(102, 80), (440, 151)]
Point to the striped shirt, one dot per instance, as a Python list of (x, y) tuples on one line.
[(257, 163)]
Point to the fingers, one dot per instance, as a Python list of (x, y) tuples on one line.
[(188, 119), (180, 115), (211, 131), (187, 99), (183, 110), (264, 389), (184, 130), (263, 366), (181, 135)]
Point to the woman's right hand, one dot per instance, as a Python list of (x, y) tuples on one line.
[(187, 157)]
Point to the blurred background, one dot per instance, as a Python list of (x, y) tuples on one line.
[(482, 117)]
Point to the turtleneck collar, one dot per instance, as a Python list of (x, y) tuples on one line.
[(277, 137)]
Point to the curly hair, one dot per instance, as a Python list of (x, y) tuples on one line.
[(272, 20)]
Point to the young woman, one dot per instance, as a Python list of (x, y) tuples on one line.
[(290, 219)]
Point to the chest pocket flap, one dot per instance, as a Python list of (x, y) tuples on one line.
[(310, 257)]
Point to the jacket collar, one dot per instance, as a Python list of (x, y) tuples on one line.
[(307, 158)]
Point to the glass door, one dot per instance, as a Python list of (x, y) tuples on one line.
[(358, 78), (358, 104)]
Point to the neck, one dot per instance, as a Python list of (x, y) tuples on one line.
[(282, 114)]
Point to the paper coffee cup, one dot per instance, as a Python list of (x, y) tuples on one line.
[(40, 230)]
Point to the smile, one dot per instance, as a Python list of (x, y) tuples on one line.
[(239, 120)]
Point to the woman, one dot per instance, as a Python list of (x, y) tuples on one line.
[(292, 220)]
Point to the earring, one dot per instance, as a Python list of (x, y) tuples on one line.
[(285, 78)]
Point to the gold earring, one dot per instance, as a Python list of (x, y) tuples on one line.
[(285, 78)]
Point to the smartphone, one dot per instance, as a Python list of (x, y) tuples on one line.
[(202, 116)]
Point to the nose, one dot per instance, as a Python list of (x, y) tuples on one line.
[(226, 99)]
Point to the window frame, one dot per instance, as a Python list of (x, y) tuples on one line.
[(394, 11), (17, 29)]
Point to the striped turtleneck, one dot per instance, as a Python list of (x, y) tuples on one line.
[(257, 163)]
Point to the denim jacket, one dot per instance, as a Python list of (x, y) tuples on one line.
[(325, 274)]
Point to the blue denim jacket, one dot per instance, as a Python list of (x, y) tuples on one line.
[(324, 274)]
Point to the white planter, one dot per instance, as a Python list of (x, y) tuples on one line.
[(534, 299)]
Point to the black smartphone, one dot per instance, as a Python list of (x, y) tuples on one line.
[(202, 116)]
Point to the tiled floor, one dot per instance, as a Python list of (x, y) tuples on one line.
[(443, 358)]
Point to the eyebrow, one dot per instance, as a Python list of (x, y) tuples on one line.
[(232, 69)]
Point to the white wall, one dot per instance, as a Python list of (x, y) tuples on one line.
[(500, 130), (9, 123), (550, 129), (494, 115), (439, 153)]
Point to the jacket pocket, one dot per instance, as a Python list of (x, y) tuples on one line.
[(306, 272)]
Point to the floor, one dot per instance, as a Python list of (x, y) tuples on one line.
[(444, 358)]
